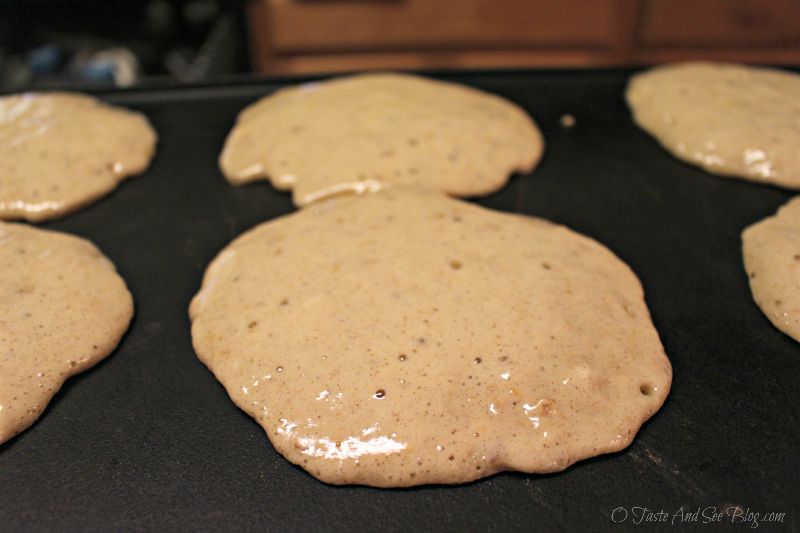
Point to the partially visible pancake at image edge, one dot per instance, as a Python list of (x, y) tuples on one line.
[(731, 120), (59, 152), (63, 308), (771, 253)]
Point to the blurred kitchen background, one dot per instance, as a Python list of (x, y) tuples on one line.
[(64, 43)]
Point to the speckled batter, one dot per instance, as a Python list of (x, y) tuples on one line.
[(355, 133), (61, 151), (63, 308), (403, 338), (771, 250), (731, 120)]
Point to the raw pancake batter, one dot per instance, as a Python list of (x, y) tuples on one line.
[(354, 133), (403, 338), (771, 250), (61, 151), (63, 308), (728, 119)]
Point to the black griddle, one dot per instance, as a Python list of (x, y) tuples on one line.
[(148, 439)]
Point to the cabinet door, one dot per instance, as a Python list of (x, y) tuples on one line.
[(386, 25), (720, 23)]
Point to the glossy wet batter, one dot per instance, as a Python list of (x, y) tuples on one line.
[(63, 308), (771, 250), (729, 119), (403, 338), (62, 151), (355, 133)]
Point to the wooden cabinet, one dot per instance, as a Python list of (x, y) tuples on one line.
[(337, 35), (762, 31)]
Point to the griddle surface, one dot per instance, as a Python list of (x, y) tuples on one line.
[(149, 440)]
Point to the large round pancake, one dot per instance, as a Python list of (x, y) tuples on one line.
[(771, 251), (731, 120), (357, 132), (403, 337), (63, 308), (62, 151)]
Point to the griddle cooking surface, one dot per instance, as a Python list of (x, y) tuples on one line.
[(149, 440)]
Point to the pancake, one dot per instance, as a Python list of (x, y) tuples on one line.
[(403, 338), (731, 120), (63, 308), (355, 133), (771, 250), (62, 151)]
